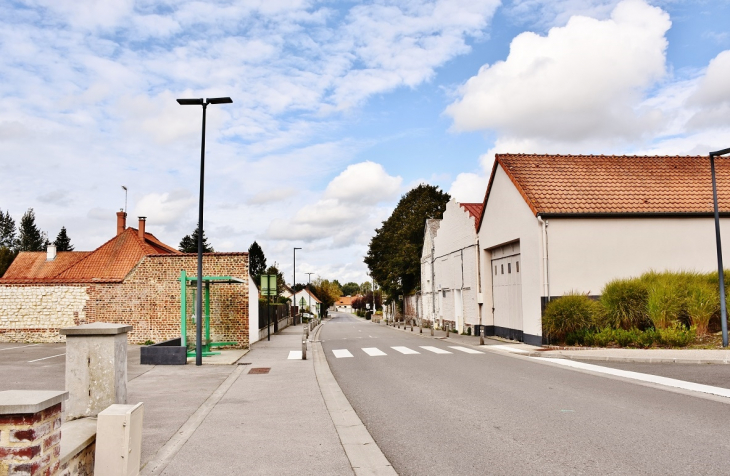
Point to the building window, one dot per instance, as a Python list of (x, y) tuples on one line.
[(501, 266), (509, 268), (517, 266)]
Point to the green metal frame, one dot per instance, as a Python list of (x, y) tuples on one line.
[(208, 280)]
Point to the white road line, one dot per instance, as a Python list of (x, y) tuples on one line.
[(669, 382), (341, 353), (404, 350), (435, 350), (373, 351), (508, 348), (295, 355), (465, 349), (44, 358), (21, 347)]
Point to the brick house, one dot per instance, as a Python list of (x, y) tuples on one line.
[(131, 279)]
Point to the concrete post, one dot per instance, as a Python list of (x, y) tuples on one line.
[(119, 440), (30, 431), (96, 367)]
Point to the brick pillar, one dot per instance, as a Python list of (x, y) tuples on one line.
[(30, 431)]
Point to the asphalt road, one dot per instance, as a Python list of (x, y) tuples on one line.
[(462, 413)]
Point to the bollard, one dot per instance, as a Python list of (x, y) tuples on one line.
[(447, 331), (411, 325), (304, 348), (433, 324), (421, 330)]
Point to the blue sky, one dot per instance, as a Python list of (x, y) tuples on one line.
[(339, 107)]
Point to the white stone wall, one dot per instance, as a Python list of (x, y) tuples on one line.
[(455, 266), (34, 313)]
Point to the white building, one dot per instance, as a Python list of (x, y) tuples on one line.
[(428, 287), (306, 300), (455, 265), (552, 224)]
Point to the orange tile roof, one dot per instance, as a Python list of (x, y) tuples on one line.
[(474, 209), (344, 301), (615, 185), (111, 262)]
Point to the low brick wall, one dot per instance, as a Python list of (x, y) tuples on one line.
[(30, 443), (80, 464)]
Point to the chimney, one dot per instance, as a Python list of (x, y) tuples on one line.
[(121, 222), (142, 221), (51, 253)]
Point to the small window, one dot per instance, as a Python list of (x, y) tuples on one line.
[(495, 271), (509, 268), (501, 266), (517, 266)]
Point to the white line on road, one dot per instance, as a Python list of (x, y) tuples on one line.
[(20, 347), (340, 353), (508, 348), (465, 349), (405, 350), (373, 351), (669, 382), (295, 355), (435, 350), (44, 358)]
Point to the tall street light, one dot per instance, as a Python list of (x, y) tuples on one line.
[(720, 270), (294, 279), (199, 294)]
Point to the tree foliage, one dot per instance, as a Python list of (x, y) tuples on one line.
[(63, 242), (279, 278), (350, 289), (326, 291), (256, 262), (189, 243), (395, 251), (7, 231), (30, 237)]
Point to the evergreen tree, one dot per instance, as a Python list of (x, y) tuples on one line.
[(63, 242), (279, 277), (7, 255), (256, 262), (394, 255), (30, 237), (7, 230), (189, 243)]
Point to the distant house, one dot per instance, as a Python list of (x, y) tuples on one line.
[(552, 224), (344, 304), (305, 299), (133, 279)]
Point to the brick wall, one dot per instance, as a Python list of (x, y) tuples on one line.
[(149, 298), (30, 444)]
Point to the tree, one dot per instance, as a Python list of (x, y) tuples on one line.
[(350, 289), (189, 243), (256, 262), (366, 287), (395, 251), (7, 230), (279, 277), (30, 237), (327, 291), (63, 242), (7, 255)]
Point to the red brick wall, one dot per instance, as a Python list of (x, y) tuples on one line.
[(149, 298)]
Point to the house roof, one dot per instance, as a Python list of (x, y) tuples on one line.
[(475, 211), (614, 185), (310, 293), (111, 262), (344, 301)]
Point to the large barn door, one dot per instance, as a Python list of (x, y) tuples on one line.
[(507, 290)]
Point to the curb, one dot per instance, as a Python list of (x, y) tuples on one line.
[(646, 360), (362, 451)]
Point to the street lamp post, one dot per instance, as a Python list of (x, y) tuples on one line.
[(199, 280), (720, 270), (294, 279)]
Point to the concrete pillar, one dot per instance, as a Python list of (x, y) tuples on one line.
[(30, 431), (96, 367)]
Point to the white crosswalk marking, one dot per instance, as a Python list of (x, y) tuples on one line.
[(373, 351), (295, 355), (435, 350), (404, 350), (341, 353), (465, 349)]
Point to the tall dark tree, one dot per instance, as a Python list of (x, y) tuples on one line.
[(63, 242), (350, 289), (395, 251), (7, 230), (256, 262), (279, 277), (30, 237), (189, 243)]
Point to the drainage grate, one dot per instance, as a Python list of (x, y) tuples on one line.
[(259, 370)]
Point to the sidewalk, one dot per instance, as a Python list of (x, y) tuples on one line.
[(266, 424), (687, 356)]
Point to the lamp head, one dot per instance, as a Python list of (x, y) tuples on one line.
[(190, 102)]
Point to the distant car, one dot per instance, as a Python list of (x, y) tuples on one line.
[(306, 315)]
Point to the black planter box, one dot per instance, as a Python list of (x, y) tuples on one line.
[(169, 352)]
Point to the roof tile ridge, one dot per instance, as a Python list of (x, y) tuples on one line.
[(160, 243)]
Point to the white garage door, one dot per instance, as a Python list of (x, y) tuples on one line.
[(507, 289)]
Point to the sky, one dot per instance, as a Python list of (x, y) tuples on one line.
[(339, 108)]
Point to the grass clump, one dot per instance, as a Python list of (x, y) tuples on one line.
[(624, 303), (568, 314)]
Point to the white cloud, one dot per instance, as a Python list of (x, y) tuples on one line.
[(582, 80), (468, 188), (166, 208), (712, 95), (364, 183)]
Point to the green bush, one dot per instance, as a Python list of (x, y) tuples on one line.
[(624, 304), (570, 313), (703, 302), (664, 304), (676, 335)]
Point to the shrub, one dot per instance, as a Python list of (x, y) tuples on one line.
[(676, 335), (703, 302), (624, 304), (570, 313), (665, 302)]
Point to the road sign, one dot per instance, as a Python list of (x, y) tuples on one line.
[(268, 285), (367, 305)]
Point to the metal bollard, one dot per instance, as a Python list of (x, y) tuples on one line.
[(304, 347), (447, 331), (411, 325), (433, 324)]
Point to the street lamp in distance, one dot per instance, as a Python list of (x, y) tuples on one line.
[(294, 280), (720, 270), (199, 294)]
